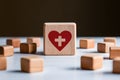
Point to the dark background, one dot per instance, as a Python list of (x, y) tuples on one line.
[(26, 17)]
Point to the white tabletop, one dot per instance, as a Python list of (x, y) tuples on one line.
[(59, 67)]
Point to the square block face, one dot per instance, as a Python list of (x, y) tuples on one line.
[(86, 63), (3, 63), (91, 62), (6, 50), (116, 65), (25, 65), (28, 47), (59, 38), (114, 52), (87, 43), (83, 43), (32, 64), (104, 47), (15, 42), (101, 47), (34, 40)]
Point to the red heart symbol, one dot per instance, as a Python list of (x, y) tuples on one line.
[(59, 40)]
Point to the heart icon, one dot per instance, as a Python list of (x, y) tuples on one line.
[(59, 40)]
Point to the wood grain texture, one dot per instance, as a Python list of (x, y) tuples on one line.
[(49, 48), (15, 42), (34, 40), (6, 50), (91, 61), (3, 63), (28, 48), (110, 39), (114, 52), (87, 43), (116, 65), (32, 64), (103, 47)]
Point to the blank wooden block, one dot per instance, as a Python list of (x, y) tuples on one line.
[(114, 52), (3, 63), (91, 62), (6, 50), (116, 65), (103, 47), (87, 43), (32, 64), (28, 47), (110, 39), (15, 42), (34, 40), (59, 38)]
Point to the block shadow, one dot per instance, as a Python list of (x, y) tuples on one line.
[(16, 71), (77, 68), (73, 68), (78, 48), (17, 52), (37, 53), (106, 58), (91, 52), (110, 73), (40, 53)]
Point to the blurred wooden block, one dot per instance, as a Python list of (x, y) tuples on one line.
[(59, 38), (34, 40), (91, 62), (28, 47), (110, 39), (6, 50), (3, 63), (103, 47), (15, 42), (116, 65), (32, 64), (114, 52), (87, 43)]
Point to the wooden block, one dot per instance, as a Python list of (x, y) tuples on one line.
[(3, 63), (59, 38), (87, 43), (34, 40), (116, 65), (32, 64), (114, 52), (91, 62), (6, 50), (15, 42), (28, 47), (110, 39), (103, 47)]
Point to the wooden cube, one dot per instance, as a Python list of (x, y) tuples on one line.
[(110, 39), (103, 47), (15, 42), (91, 62), (31, 64), (3, 63), (87, 43), (6, 50), (114, 52), (28, 47), (59, 38), (116, 65), (34, 40)]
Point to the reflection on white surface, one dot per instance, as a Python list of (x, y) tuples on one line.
[(58, 67)]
